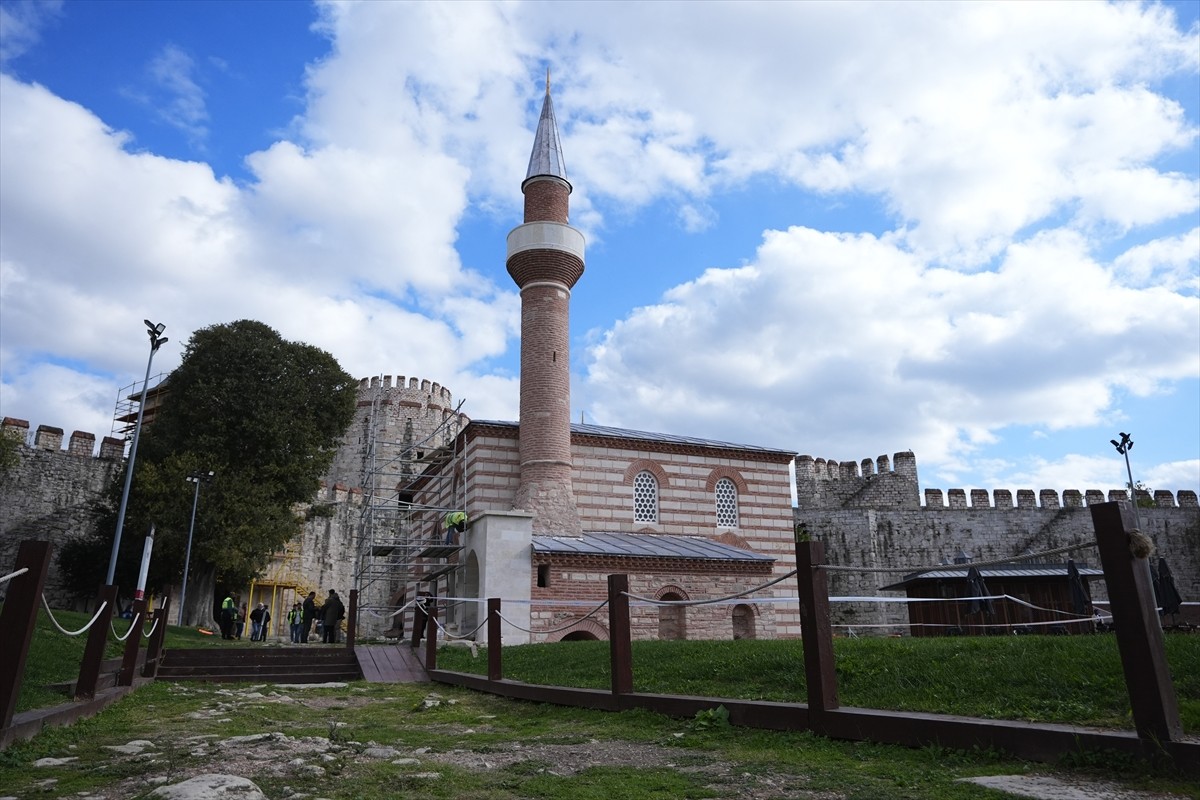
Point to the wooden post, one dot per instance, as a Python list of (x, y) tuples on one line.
[(154, 648), (133, 643), (431, 632), (352, 620), (619, 648), (93, 651), (419, 619), (1139, 632), (18, 619), (816, 631), (495, 672)]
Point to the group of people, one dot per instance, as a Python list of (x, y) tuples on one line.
[(300, 618)]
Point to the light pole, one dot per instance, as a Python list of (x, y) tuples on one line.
[(156, 340), (196, 478), (1123, 447)]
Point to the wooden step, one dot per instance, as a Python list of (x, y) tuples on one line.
[(265, 665)]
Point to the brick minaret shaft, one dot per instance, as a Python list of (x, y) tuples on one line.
[(545, 258)]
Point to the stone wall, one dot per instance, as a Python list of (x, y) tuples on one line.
[(924, 536), (50, 493)]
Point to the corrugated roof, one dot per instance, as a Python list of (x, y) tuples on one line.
[(605, 431), (646, 545), (1002, 571)]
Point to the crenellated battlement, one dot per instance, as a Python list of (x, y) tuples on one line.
[(877, 482), (47, 437), (368, 386), (1050, 498)]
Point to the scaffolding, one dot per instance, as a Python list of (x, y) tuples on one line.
[(129, 398), (402, 543)]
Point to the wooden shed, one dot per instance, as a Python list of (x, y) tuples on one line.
[(1026, 598)]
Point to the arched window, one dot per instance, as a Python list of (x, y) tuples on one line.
[(645, 497), (727, 506)]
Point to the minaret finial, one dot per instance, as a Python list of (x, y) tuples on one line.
[(547, 80)]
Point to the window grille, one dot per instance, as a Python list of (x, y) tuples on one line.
[(727, 508), (645, 498)]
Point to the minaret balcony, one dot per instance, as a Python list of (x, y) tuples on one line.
[(545, 236)]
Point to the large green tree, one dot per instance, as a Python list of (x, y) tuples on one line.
[(262, 413)]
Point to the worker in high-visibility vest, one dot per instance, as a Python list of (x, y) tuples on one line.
[(228, 615), (456, 522)]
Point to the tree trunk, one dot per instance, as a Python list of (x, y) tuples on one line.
[(200, 601)]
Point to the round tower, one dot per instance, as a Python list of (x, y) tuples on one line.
[(394, 430), (545, 258)]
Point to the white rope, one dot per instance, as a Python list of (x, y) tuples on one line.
[(858, 626), (568, 626), (152, 629), (133, 626), (714, 601), (12, 575), (92, 622), (968, 565), (371, 610), (450, 635)]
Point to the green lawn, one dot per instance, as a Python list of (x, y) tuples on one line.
[(1068, 679)]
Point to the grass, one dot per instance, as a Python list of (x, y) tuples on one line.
[(1067, 679), (484, 747)]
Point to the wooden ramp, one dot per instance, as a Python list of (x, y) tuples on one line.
[(391, 663)]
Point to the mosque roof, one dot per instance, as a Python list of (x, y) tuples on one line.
[(606, 432), (547, 155), (646, 545)]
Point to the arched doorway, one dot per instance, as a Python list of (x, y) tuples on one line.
[(743, 622), (579, 636), (672, 623)]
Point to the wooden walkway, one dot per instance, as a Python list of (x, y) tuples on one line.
[(396, 663)]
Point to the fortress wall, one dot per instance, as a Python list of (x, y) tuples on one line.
[(878, 483), (924, 537), (409, 412), (50, 492)]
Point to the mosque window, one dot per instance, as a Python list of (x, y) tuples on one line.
[(727, 504), (645, 497)]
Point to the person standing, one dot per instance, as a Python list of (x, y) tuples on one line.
[(228, 613), (332, 613), (308, 614), (264, 624), (256, 622), (239, 622), (294, 618)]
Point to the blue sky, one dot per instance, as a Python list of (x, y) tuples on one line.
[(970, 230)]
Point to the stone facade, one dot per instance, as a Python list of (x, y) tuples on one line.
[(50, 493), (899, 532)]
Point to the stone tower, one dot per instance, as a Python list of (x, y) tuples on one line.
[(545, 258)]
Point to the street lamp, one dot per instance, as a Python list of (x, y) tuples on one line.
[(156, 340), (1123, 447), (196, 478)]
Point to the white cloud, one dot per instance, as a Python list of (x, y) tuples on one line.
[(183, 107), (840, 344), (21, 24)]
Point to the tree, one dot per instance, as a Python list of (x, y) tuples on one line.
[(265, 415)]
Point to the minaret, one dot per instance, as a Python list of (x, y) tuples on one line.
[(545, 258)]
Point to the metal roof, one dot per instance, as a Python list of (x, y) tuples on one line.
[(547, 156), (1002, 571), (603, 431), (646, 545)]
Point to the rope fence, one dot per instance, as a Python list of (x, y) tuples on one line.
[(559, 629), (84, 629), (133, 626), (12, 575)]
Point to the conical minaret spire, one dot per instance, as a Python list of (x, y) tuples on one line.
[(545, 258)]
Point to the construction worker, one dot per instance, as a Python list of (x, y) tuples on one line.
[(456, 522), (228, 615)]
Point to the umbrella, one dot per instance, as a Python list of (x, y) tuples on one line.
[(1166, 596), (1079, 594), (977, 590)]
